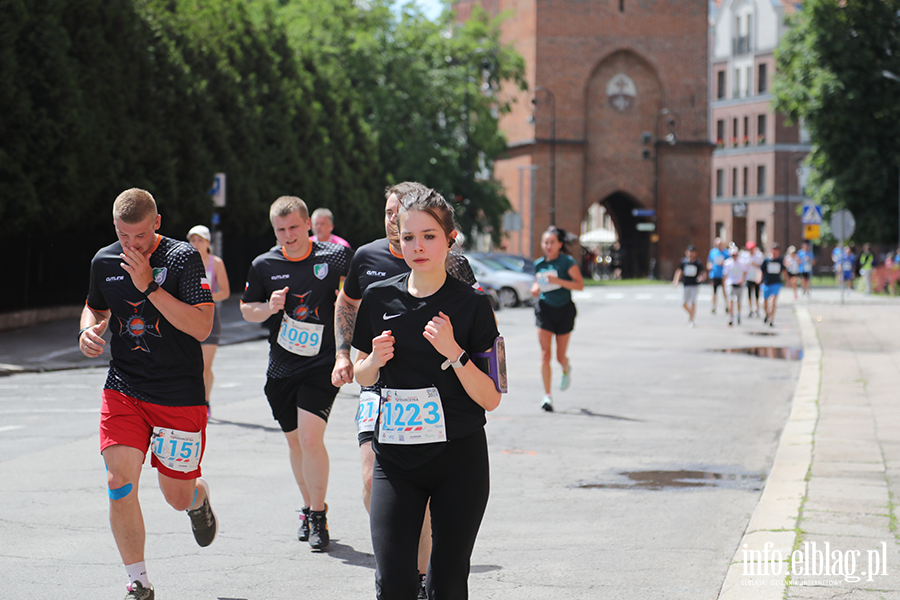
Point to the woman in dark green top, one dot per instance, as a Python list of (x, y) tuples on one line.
[(556, 275)]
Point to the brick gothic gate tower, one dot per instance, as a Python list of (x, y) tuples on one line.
[(616, 114)]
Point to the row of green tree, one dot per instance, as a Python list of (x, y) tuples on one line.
[(838, 69), (330, 100)]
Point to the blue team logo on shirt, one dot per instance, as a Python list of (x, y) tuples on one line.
[(136, 326), (321, 270)]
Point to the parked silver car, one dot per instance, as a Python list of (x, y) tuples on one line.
[(523, 264), (514, 288)]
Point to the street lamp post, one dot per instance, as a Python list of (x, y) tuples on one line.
[(672, 121), (787, 202), (552, 98), (787, 196), (893, 76), (470, 65)]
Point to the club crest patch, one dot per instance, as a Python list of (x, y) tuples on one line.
[(159, 275), (321, 270)]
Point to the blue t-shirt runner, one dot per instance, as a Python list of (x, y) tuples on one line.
[(716, 259)]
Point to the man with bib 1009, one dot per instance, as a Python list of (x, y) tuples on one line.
[(296, 283), (417, 332)]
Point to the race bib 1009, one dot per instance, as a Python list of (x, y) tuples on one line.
[(299, 337)]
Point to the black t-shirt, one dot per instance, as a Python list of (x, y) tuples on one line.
[(416, 364), (772, 268), (312, 282), (376, 262), (151, 359), (690, 271)]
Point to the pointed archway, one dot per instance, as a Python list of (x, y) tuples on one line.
[(634, 250)]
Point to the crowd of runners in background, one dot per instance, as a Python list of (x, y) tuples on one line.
[(732, 269)]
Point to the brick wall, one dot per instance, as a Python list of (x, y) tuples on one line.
[(574, 48)]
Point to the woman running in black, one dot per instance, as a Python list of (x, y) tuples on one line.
[(430, 441)]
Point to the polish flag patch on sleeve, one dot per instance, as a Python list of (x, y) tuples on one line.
[(204, 283)]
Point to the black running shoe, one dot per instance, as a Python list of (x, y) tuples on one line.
[(303, 532), (136, 591), (423, 595), (203, 520), (318, 529)]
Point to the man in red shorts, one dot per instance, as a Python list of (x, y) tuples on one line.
[(151, 292)]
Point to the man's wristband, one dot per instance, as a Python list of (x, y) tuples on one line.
[(83, 329)]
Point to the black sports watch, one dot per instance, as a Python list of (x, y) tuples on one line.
[(460, 362), (151, 288)]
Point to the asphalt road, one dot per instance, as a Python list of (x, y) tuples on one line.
[(639, 486)]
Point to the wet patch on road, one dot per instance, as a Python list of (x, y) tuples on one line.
[(659, 480), (789, 353)]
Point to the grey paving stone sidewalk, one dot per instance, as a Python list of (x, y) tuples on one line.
[(828, 529)]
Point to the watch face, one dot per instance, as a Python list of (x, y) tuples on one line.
[(461, 361)]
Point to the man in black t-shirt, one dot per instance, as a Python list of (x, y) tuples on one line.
[(374, 262), (770, 274), (297, 282), (691, 273), (151, 292)]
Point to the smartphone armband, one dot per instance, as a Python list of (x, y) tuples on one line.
[(493, 362)]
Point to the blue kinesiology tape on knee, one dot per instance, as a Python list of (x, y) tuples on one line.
[(195, 498), (120, 493)]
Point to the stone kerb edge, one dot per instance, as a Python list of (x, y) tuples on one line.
[(775, 518)]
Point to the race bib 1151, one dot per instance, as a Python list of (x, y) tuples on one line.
[(177, 450)]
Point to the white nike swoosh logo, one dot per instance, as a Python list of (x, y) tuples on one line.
[(388, 317)]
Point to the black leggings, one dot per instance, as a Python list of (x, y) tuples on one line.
[(458, 483), (753, 290)]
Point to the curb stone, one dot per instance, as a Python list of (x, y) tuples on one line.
[(772, 529)]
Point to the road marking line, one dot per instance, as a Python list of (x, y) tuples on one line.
[(11, 427)]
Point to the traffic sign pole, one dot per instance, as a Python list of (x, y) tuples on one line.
[(842, 225)]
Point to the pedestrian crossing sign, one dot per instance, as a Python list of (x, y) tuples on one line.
[(812, 214)]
